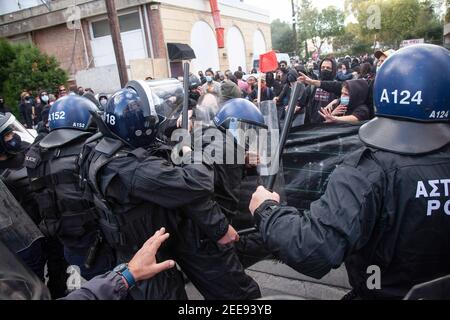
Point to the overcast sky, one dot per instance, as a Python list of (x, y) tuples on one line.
[(281, 9)]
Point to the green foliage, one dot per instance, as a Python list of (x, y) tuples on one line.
[(399, 20), (7, 55), (26, 68), (282, 36)]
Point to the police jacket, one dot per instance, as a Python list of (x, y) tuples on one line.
[(380, 209), (14, 174), (139, 191), (66, 208)]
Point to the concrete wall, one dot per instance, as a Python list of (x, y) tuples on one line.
[(447, 35), (143, 68), (100, 79), (178, 22)]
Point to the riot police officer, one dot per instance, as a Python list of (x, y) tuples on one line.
[(14, 143), (140, 190), (387, 206), (66, 208)]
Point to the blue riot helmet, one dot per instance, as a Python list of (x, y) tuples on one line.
[(12, 135), (412, 100), (237, 117), (68, 119), (131, 115)]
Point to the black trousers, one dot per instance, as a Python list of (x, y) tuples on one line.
[(215, 270)]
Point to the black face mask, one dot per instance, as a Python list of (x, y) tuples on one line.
[(326, 75), (14, 145)]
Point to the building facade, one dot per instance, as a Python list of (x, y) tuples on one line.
[(77, 33)]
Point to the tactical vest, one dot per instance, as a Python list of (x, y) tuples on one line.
[(65, 207), (17, 182), (126, 226), (410, 243)]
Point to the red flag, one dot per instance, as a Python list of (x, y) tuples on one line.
[(268, 62)]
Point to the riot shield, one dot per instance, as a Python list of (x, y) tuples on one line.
[(17, 230), (17, 282), (312, 152), (206, 109), (166, 96), (27, 136), (269, 142)]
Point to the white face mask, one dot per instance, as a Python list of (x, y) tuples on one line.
[(103, 102), (44, 98)]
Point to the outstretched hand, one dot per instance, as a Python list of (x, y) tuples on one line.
[(144, 265)]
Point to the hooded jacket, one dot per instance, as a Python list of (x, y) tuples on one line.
[(229, 90), (318, 98), (358, 92)]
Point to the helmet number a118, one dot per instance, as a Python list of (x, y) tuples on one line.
[(404, 96)]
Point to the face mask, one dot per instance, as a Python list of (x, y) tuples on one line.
[(326, 75), (15, 144), (209, 79), (27, 100), (103, 102), (1, 101), (378, 68), (344, 71), (44, 98), (345, 100)]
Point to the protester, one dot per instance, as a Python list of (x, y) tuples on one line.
[(26, 110), (266, 92), (229, 90), (351, 107), (202, 77), (315, 96), (344, 73), (211, 86), (241, 83)]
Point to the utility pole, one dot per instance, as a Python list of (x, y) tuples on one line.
[(117, 41), (294, 26)]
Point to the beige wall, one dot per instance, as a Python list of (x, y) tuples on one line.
[(178, 22)]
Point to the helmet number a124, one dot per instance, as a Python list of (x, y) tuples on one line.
[(403, 97)]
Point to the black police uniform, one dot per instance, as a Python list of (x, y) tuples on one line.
[(66, 208), (380, 208), (141, 191), (49, 250)]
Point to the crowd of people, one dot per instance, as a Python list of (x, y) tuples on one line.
[(338, 90), (100, 179)]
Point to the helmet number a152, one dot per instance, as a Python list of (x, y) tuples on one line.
[(403, 97), (57, 115), (111, 119)]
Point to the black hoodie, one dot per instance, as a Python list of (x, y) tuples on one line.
[(358, 91), (318, 98)]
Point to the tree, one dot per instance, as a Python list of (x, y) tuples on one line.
[(7, 55), (319, 26), (397, 20), (282, 36), (31, 70)]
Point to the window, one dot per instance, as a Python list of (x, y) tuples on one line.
[(127, 22), (100, 28)]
